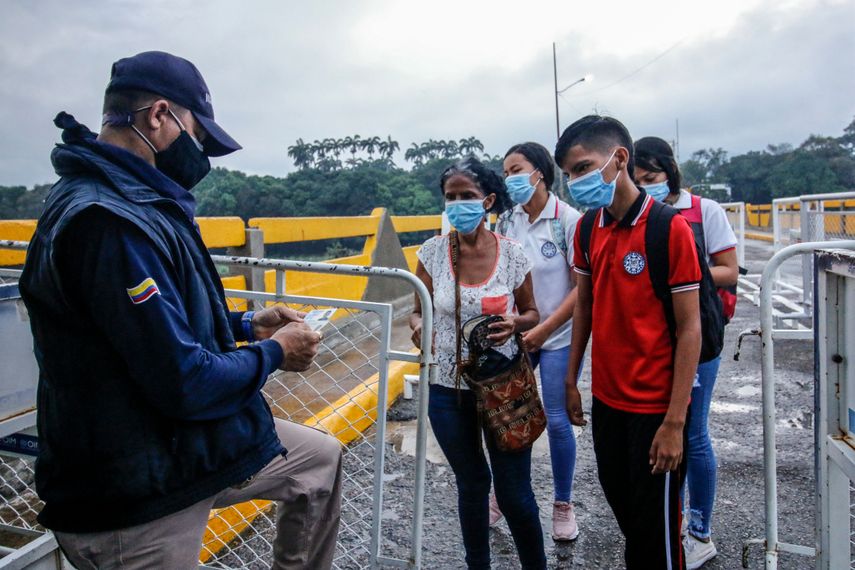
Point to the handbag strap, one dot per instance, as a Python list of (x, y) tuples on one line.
[(455, 255)]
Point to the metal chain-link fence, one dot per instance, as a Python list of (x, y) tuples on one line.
[(340, 394), (19, 504), (334, 387)]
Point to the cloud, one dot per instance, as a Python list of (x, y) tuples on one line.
[(743, 73)]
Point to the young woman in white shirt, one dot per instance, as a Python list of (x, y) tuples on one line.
[(656, 171), (545, 226)]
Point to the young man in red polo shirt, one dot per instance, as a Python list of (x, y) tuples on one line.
[(642, 368)]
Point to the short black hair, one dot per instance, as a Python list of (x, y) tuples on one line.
[(656, 155), (486, 179), (120, 105), (127, 101), (539, 157), (599, 133)]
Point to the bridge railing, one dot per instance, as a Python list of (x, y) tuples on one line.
[(382, 247)]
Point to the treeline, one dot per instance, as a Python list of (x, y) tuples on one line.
[(330, 154), (819, 165), (328, 182)]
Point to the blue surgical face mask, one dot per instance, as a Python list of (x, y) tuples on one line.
[(520, 188), (657, 191), (591, 191), (465, 215)]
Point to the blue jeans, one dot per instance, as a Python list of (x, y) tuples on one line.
[(562, 441), (701, 474), (458, 431)]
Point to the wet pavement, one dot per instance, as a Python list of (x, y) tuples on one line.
[(736, 428)]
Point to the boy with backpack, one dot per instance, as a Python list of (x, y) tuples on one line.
[(637, 280)]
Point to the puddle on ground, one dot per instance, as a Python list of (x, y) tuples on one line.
[(748, 391), (725, 444), (731, 408)]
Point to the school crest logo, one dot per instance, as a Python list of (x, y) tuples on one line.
[(548, 250), (633, 263)]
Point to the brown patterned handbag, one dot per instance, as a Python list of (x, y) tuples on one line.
[(508, 403)]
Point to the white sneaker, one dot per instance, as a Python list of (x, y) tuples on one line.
[(496, 515), (563, 521), (697, 552)]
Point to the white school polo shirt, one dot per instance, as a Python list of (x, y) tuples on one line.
[(718, 234), (551, 272)]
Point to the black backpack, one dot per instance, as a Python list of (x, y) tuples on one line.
[(656, 245)]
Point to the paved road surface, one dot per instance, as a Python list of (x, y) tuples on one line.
[(737, 437)]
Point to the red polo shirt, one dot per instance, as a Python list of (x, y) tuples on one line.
[(631, 353)]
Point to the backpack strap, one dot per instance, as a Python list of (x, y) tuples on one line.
[(503, 222), (694, 214), (559, 232), (656, 242), (587, 227)]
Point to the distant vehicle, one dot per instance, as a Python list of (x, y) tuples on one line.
[(717, 192)]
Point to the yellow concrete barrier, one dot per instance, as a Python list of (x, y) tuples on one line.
[(16, 230), (412, 259), (222, 232), (290, 230), (320, 285), (235, 282), (404, 224)]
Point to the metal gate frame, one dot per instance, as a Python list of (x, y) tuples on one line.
[(427, 372), (835, 406), (737, 208), (772, 545)]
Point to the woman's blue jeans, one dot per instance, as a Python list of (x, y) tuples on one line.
[(702, 468), (458, 431), (562, 441)]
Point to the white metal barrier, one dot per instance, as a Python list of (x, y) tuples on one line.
[(786, 222), (357, 345), (809, 218), (835, 411), (772, 545), (736, 216)]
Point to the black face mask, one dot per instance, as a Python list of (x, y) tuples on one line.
[(183, 161)]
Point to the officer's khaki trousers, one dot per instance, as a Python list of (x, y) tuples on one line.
[(306, 486)]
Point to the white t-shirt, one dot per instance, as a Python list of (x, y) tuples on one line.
[(551, 272), (718, 234), (495, 296)]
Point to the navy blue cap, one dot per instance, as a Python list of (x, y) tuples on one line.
[(178, 80)]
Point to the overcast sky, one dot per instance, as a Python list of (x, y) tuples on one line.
[(738, 74)]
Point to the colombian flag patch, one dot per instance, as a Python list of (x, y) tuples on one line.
[(144, 291)]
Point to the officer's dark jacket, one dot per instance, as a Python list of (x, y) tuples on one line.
[(145, 404)]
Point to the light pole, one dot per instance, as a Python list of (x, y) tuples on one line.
[(587, 77)]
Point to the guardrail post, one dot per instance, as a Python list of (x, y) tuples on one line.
[(253, 247), (807, 234)]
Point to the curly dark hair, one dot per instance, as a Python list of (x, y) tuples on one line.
[(487, 180), (656, 155), (539, 157)]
